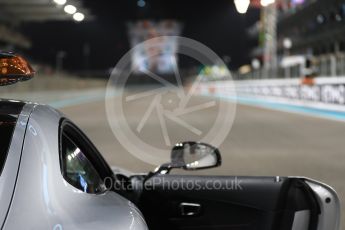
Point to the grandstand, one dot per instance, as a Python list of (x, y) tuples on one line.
[(310, 39)]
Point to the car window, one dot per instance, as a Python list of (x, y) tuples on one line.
[(78, 169)]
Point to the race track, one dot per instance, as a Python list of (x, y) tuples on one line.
[(261, 142)]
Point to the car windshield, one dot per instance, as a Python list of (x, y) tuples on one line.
[(8, 119)]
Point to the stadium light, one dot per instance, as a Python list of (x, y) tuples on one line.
[(60, 2), (78, 17), (265, 3), (70, 9), (242, 5)]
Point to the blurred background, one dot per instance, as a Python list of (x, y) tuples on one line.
[(286, 57)]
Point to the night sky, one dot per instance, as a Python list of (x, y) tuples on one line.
[(214, 23)]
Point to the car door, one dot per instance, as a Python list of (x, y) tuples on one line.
[(231, 202)]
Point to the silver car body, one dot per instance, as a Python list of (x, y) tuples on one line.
[(35, 192)]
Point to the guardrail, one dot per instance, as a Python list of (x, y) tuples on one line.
[(325, 93)]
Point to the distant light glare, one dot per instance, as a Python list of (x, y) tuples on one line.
[(70, 9), (297, 2), (60, 2), (338, 17), (242, 6), (141, 3), (78, 17), (265, 3), (287, 43), (244, 69), (320, 19), (256, 63)]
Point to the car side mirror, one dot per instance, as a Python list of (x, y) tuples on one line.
[(190, 156), (195, 155), (14, 68)]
